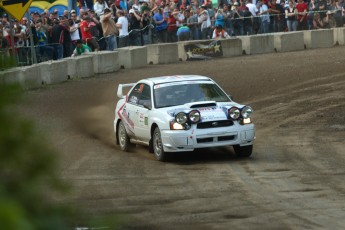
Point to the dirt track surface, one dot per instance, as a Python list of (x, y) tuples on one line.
[(295, 178)]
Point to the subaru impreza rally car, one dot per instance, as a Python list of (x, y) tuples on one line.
[(181, 113)]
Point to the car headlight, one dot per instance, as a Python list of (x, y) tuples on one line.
[(176, 126), (234, 113), (247, 112), (181, 118), (194, 116)]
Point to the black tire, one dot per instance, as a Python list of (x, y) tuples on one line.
[(243, 151), (157, 145), (123, 137)]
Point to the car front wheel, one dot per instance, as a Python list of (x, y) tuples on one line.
[(158, 146), (123, 137), (243, 151)]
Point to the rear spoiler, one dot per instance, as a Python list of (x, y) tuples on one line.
[(120, 89)]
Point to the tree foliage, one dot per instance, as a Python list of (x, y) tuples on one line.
[(29, 183)]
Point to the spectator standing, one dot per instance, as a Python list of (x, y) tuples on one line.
[(99, 7), (56, 39), (291, 16), (87, 37), (4, 44), (74, 29), (254, 11), (220, 18), (322, 8), (192, 22), (276, 14), (302, 9), (134, 27), (146, 21), (161, 25), (238, 20), (229, 27), (313, 6), (264, 16), (247, 22), (122, 25), (172, 27), (109, 29), (205, 21), (45, 52)]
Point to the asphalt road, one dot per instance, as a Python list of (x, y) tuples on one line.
[(295, 178)]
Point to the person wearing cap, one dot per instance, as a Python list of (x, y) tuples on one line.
[(134, 27), (109, 29), (302, 19), (238, 20), (329, 21), (122, 25)]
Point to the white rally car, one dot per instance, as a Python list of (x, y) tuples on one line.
[(181, 113)]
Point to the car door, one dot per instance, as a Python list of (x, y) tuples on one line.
[(139, 105)]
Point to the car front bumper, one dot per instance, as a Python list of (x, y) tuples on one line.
[(188, 140)]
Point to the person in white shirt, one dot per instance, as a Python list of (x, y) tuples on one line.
[(205, 21), (100, 6), (122, 24)]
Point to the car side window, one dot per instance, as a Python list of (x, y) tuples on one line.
[(141, 95)]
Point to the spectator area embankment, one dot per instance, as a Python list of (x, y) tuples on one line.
[(90, 65)]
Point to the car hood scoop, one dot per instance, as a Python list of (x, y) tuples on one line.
[(202, 104)]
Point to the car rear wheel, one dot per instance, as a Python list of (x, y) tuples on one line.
[(123, 137), (243, 151), (158, 146)]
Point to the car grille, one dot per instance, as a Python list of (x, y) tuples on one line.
[(212, 139), (214, 124)]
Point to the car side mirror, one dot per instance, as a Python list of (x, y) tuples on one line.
[(231, 97)]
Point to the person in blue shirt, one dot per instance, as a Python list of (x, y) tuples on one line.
[(161, 25)]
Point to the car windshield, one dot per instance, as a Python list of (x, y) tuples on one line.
[(173, 94)]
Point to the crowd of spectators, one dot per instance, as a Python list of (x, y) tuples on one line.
[(112, 24)]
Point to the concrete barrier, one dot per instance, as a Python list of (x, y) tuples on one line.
[(318, 38), (132, 57), (105, 61), (291, 41), (28, 77), (162, 53), (80, 67), (10, 76), (257, 44), (231, 47), (339, 36), (53, 72)]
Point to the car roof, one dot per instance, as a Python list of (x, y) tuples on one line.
[(176, 78)]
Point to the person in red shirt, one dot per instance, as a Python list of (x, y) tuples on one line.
[(86, 34), (302, 9), (172, 27)]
